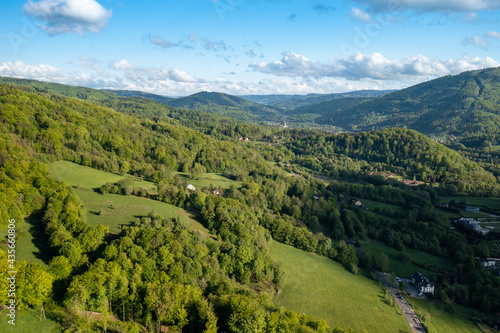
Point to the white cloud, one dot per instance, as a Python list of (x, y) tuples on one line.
[(446, 6), (475, 41), (121, 65), (62, 16), (372, 66), (360, 15), (355, 73), (493, 34)]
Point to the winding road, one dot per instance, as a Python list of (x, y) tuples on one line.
[(408, 311)]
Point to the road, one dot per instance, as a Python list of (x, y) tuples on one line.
[(409, 313)]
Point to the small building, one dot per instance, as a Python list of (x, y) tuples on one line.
[(424, 285), (358, 203), (478, 229), (191, 187), (488, 263), (472, 224), (472, 209), (217, 192)]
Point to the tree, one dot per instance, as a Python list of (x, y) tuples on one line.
[(197, 171), (383, 262)]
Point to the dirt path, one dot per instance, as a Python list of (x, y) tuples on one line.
[(409, 313)]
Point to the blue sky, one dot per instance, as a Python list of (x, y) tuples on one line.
[(239, 47)]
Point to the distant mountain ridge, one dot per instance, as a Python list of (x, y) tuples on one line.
[(290, 102), (467, 104), (225, 104)]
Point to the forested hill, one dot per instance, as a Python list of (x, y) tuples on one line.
[(291, 102), (406, 153), (225, 104), (49, 88), (463, 105), (133, 93)]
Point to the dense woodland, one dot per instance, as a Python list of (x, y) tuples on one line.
[(158, 273)]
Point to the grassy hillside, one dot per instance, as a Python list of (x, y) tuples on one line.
[(82, 176), (420, 259), (324, 289), (437, 320), (28, 320), (112, 210)]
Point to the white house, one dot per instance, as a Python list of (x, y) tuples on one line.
[(488, 263), (424, 285), (191, 187)]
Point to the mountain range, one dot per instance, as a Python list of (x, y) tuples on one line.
[(464, 107)]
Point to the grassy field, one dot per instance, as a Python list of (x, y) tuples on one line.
[(323, 289), (215, 179), (440, 321), (28, 321), (113, 210), (492, 203), (31, 245), (86, 177), (382, 205), (405, 269)]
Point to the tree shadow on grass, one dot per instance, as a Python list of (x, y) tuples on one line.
[(40, 239)]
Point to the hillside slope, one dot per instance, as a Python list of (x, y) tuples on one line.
[(291, 102), (225, 104), (462, 105)]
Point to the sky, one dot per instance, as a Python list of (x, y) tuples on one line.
[(243, 47)]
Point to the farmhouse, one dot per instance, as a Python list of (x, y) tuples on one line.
[(488, 263), (191, 187), (472, 225), (424, 285), (472, 209)]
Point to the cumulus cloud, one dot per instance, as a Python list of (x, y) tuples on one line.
[(121, 65), (62, 16), (475, 41), (448, 6), (360, 15), (373, 66)]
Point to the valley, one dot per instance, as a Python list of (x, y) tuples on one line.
[(128, 201)]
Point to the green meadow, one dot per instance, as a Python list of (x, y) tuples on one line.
[(215, 179), (113, 210), (370, 204), (323, 289), (405, 269), (31, 245), (82, 176), (28, 320), (491, 203), (437, 320)]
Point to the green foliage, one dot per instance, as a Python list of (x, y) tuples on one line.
[(322, 288)]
